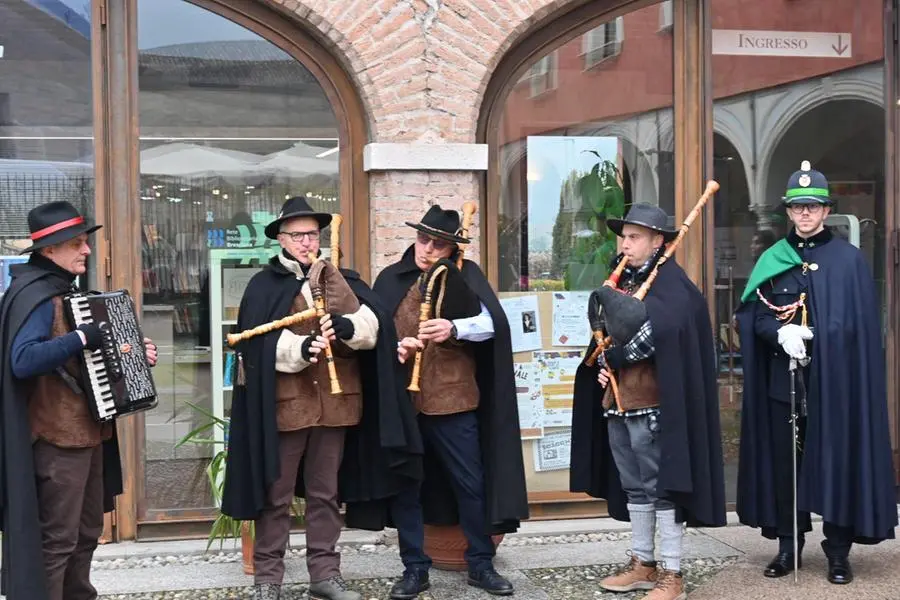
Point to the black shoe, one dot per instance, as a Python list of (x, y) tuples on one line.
[(839, 571), (782, 564), (412, 584), (491, 582)]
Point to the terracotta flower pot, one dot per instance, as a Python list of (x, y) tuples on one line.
[(247, 548), (446, 545)]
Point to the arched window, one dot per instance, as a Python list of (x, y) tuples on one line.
[(238, 112), (583, 129)]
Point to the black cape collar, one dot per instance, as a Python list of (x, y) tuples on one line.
[(823, 237)]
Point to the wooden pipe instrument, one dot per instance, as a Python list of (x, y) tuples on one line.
[(468, 209), (234, 338), (425, 314), (604, 342)]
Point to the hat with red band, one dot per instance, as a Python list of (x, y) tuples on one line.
[(54, 223)]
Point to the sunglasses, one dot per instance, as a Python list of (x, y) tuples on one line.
[(424, 238)]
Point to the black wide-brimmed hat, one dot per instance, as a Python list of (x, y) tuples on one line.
[(54, 223), (807, 186), (440, 223), (645, 215), (293, 208)]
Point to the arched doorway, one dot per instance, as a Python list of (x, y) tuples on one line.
[(239, 109)]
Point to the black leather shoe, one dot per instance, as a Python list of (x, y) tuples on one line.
[(839, 571), (412, 584), (491, 582), (782, 564)]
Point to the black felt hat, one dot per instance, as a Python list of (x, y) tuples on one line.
[(54, 223), (440, 223), (293, 208), (645, 215)]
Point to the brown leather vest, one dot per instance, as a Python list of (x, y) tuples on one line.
[(59, 415), (447, 370), (637, 387), (304, 399)]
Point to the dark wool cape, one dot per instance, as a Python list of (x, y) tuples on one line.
[(691, 472), (846, 475), (382, 454), (23, 575), (506, 498)]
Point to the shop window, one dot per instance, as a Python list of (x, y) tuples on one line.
[(819, 97), (567, 162), (230, 126), (46, 117), (541, 77)]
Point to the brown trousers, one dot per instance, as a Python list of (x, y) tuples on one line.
[(322, 448), (70, 499)]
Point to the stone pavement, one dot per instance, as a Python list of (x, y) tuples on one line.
[(559, 560)]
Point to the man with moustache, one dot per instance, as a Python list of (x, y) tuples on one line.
[(289, 435), (651, 446), (468, 415), (810, 313), (60, 468)]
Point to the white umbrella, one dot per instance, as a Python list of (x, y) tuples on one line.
[(181, 159)]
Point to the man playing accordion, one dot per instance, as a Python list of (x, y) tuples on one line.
[(466, 402), (61, 468), (303, 427), (650, 444)]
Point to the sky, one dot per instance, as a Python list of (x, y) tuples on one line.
[(167, 22), (550, 160)]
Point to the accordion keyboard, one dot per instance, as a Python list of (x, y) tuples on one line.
[(97, 372), (116, 377)]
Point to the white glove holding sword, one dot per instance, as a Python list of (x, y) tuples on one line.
[(793, 339)]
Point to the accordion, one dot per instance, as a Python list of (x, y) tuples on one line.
[(117, 376)]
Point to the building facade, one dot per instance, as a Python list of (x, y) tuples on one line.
[(182, 125)]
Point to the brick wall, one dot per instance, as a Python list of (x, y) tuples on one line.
[(421, 67)]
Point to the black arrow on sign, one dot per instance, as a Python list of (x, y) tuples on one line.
[(840, 48)]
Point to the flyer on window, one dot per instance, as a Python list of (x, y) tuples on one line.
[(553, 451), (570, 323), (530, 401), (556, 370), (524, 322)]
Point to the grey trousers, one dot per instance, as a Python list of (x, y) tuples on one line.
[(637, 455)]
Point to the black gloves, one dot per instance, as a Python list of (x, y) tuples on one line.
[(93, 334), (343, 327)]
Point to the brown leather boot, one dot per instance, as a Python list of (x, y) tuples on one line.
[(636, 575), (669, 586)]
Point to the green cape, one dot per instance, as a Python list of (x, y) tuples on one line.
[(778, 258)]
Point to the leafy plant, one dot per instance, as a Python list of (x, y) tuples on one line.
[(602, 198), (224, 526)]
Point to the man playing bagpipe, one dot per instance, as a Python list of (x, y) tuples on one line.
[(60, 467), (464, 391), (645, 420), (814, 421), (290, 435)]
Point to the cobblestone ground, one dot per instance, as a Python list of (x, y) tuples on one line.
[(562, 583)]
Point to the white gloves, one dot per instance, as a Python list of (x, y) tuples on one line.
[(792, 337)]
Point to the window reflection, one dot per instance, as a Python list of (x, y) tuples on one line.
[(231, 126), (46, 116), (587, 130)]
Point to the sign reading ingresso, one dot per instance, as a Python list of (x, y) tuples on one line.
[(744, 42)]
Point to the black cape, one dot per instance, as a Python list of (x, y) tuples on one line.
[(846, 475), (23, 574), (382, 454), (506, 497), (691, 474)]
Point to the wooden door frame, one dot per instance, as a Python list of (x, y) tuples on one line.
[(892, 232), (117, 131)]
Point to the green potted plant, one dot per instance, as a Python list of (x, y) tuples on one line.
[(602, 197), (225, 527)]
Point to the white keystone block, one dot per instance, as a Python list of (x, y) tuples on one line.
[(425, 157)]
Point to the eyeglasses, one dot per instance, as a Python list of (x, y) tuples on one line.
[(297, 236), (424, 238), (813, 209)]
